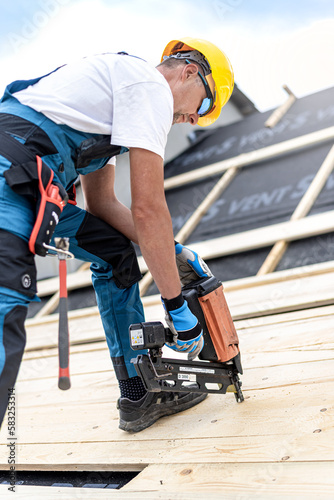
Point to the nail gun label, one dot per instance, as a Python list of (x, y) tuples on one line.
[(137, 337), (186, 376), (195, 370)]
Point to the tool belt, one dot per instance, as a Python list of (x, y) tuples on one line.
[(38, 141), (30, 177)]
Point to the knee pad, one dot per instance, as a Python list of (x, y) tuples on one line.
[(35, 180)]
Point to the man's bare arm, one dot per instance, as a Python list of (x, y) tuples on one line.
[(152, 220)]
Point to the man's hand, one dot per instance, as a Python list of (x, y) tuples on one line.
[(187, 332), (190, 265)]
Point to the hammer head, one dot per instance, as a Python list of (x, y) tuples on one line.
[(62, 243)]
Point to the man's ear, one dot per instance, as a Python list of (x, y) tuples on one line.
[(189, 71)]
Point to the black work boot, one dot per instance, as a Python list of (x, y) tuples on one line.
[(136, 416)]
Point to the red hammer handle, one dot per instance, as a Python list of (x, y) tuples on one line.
[(64, 382)]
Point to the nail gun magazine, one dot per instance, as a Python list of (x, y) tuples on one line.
[(219, 365)]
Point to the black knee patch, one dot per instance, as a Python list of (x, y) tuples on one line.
[(100, 239), (14, 340), (17, 264)]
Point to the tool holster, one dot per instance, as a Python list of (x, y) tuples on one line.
[(34, 179)]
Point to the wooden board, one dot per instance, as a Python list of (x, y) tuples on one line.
[(298, 293), (250, 300), (233, 481), (277, 444), (288, 481), (218, 247), (252, 157), (288, 412), (303, 208)]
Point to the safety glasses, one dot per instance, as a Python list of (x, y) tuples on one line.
[(208, 101)]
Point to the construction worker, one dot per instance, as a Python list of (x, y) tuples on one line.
[(73, 122)]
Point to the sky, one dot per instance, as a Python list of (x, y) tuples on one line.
[(269, 42)]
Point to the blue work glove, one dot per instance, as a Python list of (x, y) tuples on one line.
[(187, 332), (190, 265)]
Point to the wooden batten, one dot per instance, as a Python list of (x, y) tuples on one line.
[(247, 159), (303, 208), (278, 114)]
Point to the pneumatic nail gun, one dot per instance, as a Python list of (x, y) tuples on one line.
[(219, 366)]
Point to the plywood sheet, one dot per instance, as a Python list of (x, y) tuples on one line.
[(288, 412), (278, 444), (299, 292), (288, 481)]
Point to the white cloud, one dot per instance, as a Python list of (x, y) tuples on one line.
[(264, 56), (80, 29), (302, 59)]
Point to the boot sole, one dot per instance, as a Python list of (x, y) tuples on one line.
[(160, 410)]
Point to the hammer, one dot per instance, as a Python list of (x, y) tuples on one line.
[(64, 383)]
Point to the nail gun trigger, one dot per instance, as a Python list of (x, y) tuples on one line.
[(163, 375)]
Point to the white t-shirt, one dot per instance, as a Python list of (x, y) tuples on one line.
[(112, 94)]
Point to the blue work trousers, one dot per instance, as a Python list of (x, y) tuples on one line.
[(114, 275)]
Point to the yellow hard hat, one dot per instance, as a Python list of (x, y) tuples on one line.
[(220, 71)]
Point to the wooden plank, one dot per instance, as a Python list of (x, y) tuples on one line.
[(96, 388), (87, 361), (84, 325), (282, 360), (290, 317), (303, 208), (271, 278), (53, 302), (253, 239), (75, 280), (288, 481), (202, 249), (287, 415), (266, 236), (284, 291), (218, 247), (299, 336), (247, 159), (231, 481), (133, 454), (219, 416), (308, 292), (311, 334), (248, 298), (279, 112), (296, 341)]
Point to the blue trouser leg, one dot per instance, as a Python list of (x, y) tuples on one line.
[(118, 308), (17, 282), (13, 311), (114, 280)]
